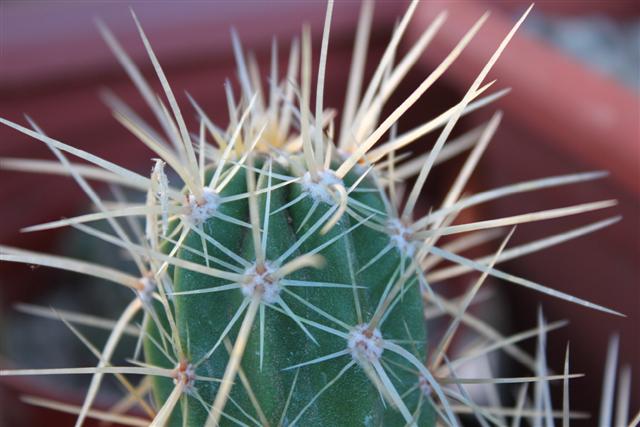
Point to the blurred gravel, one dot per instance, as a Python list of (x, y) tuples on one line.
[(610, 46)]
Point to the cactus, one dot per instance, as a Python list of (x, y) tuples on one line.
[(284, 283)]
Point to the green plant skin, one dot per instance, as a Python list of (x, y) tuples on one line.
[(353, 400)]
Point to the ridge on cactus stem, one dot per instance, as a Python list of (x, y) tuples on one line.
[(282, 278)]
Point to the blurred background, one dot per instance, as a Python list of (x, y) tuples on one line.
[(574, 70)]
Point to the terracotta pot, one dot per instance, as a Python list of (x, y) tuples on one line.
[(561, 117)]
